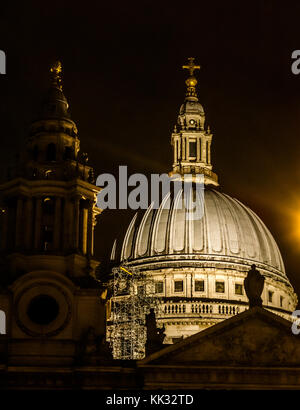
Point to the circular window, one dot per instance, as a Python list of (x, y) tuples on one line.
[(42, 309), (192, 122)]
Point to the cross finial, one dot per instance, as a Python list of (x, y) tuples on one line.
[(55, 71), (191, 66)]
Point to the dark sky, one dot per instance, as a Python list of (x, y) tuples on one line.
[(123, 79)]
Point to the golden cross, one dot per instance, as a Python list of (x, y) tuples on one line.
[(191, 66), (56, 70), (56, 67)]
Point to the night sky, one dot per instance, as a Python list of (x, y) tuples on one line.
[(124, 83)]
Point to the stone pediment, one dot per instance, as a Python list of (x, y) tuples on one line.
[(255, 337)]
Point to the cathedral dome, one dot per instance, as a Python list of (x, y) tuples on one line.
[(228, 231), (196, 262)]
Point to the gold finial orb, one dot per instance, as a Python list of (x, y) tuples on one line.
[(191, 82)]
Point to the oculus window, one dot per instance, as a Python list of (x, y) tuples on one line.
[(43, 309)]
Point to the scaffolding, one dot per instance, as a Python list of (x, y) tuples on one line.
[(132, 296)]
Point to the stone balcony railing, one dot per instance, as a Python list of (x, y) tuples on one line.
[(197, 309)]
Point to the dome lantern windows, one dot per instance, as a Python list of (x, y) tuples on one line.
[(192, 149)]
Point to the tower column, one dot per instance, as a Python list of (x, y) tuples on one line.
[(76, 222), (57, 223), (187, 149), (19, 224), (90, 230), (38, 220), (183, 149), (92, 234), (68, 224), (84, 230), (198, 149), (29, 218)]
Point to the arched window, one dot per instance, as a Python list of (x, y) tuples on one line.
[(51, 152), (48, 206), (2, 323), (68, 153)]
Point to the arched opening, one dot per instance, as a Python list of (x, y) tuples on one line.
[(2, 323), (51, 152), (35, 153), (48, 208), (68, 153)]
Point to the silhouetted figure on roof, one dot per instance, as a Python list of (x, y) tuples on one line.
[(155, 336), (254, 285)]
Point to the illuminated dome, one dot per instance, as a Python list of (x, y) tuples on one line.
[(228, 231), (198, 265)]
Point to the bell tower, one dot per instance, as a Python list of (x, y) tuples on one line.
[(191, 140), (49, 292), (49, 203)]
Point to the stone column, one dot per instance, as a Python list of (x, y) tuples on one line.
[(92, 234), (19, 223), (57, 223), (175, 150), (85, 227), (38, 220), (76, 222), (183, 149), (204, 150), (29, 222), (198, 149), (90, 230), (187, 149), (67, 224)]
